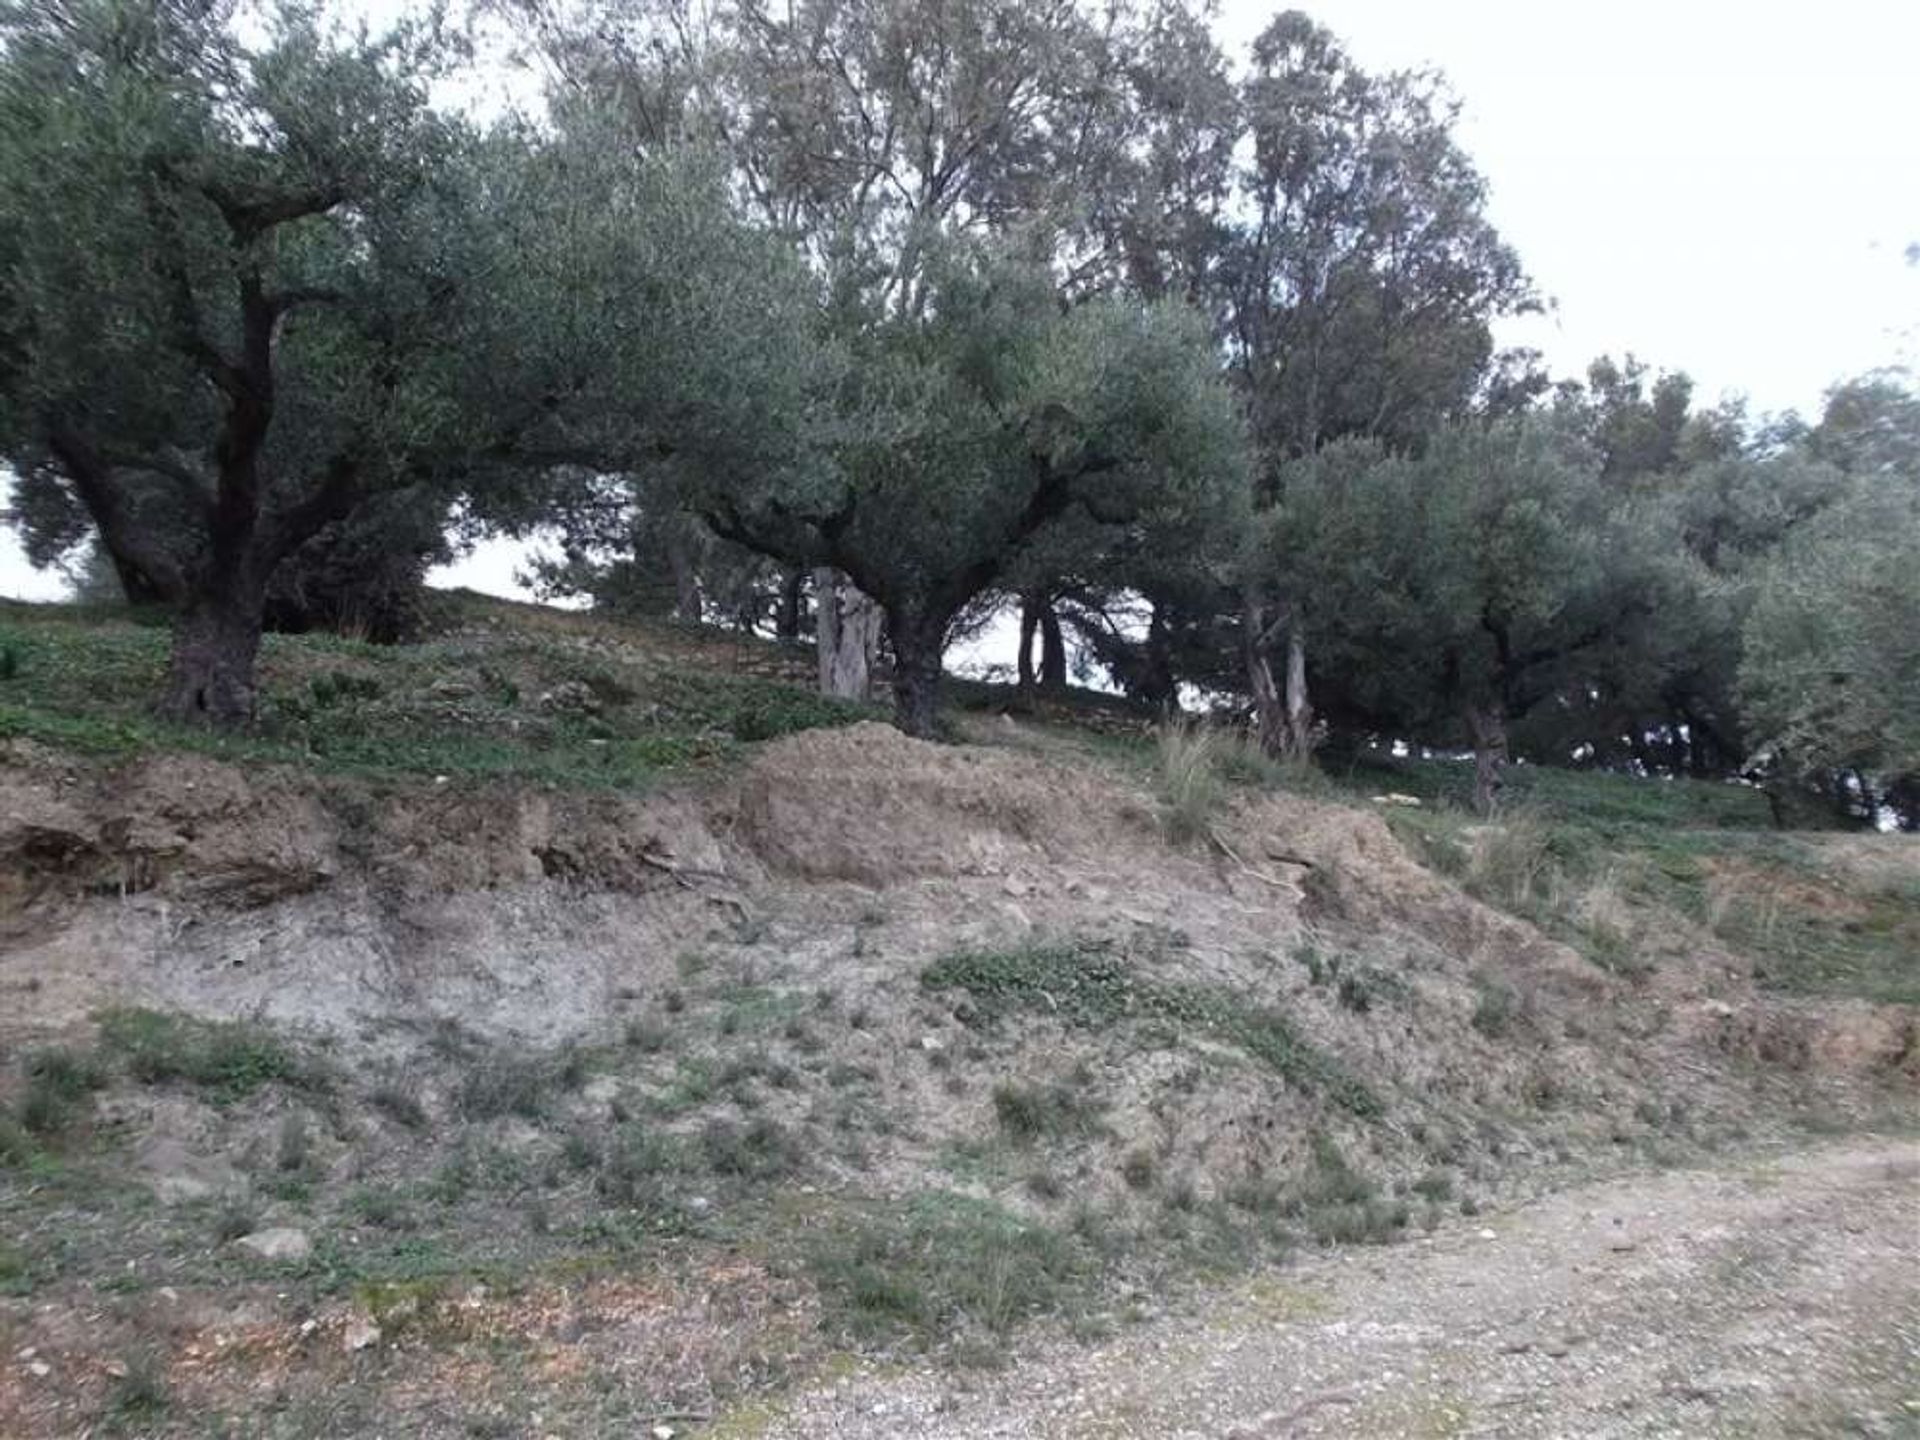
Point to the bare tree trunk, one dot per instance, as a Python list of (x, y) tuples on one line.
[(1029, 626), (1157, 685), (848, 626), (210, 674), (687, 603), (1269, 709), (1487, 724), (786, 620), (1299, 704), (1053, 650), (917, 650)]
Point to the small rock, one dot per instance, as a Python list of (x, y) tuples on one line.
[(932, 1044), (1488, 1235), (39, 1369), (279, 1243), (360, 1333), (663, 1432)]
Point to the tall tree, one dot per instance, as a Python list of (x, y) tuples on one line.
[(1361, 291)]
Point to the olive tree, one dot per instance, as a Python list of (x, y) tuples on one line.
[(247, 288), (1829, 674), (968, 433), (1458, 589)]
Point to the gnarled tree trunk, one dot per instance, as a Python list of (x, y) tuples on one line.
[(1282, 717), (1299, 705), (1053, 650), (216, 642), (1029, 624), (918, 645), (1487, 725), (848, 625)]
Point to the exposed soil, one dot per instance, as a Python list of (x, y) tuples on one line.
[(1768, 1299), (752, 952)]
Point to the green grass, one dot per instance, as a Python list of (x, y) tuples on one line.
[(1598, 798), (226, 1060), (944, 1263), (1602, 878), (514, 691), (1091, 987)]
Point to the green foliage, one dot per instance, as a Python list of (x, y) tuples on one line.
[(763, 1149), (60, 1084), (229, 1060), (1830, 661), (944, 1262), (284, 282), (1090, 987), (982, 423)]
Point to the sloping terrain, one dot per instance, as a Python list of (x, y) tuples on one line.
[(614, 1097)]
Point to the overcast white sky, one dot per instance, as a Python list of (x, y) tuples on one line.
[(1723, 188)]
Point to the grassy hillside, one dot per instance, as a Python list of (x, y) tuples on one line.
[(805, 1120), (499, 689)]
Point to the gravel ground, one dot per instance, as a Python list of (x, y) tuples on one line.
[(1771, 1298)]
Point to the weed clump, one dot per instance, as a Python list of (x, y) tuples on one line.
[(1496, 1009), (1028, 1113), (761, 1150), (633, 1174), (139, 1397), (1187, 779), (498, 1084), (944, 1264), (60, 1085)]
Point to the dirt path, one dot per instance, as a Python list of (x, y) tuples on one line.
[(1774, 1298)]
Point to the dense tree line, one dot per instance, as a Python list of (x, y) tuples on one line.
[(871, 317)]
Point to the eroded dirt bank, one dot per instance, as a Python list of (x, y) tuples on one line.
[(488, 1108), (1767, 1299)]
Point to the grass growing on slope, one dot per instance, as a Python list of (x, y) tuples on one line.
[(944, 1261), (1811, 912), (504, 690), (1091, 987)]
